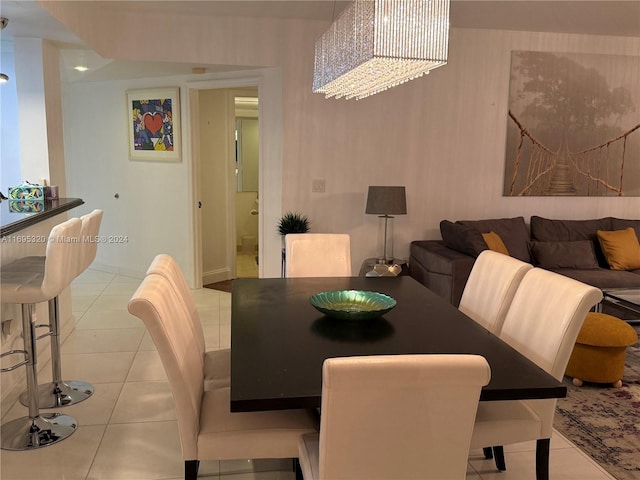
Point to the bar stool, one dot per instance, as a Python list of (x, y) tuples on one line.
[(28, 289), (59, 392)]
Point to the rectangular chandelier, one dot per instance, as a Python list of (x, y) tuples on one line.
[(377, 44)]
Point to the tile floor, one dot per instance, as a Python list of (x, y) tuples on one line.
[(247, 265), (127, 429)]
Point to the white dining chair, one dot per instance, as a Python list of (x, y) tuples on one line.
[(215, 363), (207, 428), (395, 417), (542, 323), (317, 255), (493, 282)]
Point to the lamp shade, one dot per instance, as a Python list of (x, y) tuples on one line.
[(386, 201)]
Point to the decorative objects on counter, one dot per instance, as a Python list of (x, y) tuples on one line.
[(30, 198), (12, 222), (27, 191)]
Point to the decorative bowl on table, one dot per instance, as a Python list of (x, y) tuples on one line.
[(352, 304)]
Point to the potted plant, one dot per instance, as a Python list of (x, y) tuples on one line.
[(291, 222)]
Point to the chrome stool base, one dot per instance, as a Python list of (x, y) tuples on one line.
[(26, 433), (61, 394)]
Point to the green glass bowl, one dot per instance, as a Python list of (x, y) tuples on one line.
[(352, 304)]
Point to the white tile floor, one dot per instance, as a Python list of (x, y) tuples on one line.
[(127, 429)]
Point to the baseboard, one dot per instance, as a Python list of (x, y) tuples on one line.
[(215, 276)]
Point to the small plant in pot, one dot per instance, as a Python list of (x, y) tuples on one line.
[(291, 222)]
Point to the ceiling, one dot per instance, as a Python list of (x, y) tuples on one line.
[(594, 17)]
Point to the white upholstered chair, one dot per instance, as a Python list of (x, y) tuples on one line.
[(490, 288), (59, 392), (29, 287), (317, 255), (215, 363), (395, 417), (542, 323), (89, 239), (208, 430)]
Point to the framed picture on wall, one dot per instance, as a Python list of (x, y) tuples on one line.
[(154, 124), (573, 126)]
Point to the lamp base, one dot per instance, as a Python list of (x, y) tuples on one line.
[(384, 261)]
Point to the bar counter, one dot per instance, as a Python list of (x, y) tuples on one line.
[(12, 222)]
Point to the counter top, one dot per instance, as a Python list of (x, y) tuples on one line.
[(12, 222)]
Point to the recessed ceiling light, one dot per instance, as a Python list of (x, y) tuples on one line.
[(81, 68), (4, 78)]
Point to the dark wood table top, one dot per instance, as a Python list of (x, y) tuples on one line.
[(279, 341)]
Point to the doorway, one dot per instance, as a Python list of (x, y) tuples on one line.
[(228, 162), (247, 148)]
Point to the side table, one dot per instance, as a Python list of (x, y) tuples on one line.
[(371, 268)]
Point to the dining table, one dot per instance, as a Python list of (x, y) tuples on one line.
[(279, 341)]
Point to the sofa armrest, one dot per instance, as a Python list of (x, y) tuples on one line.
[(439, 268)]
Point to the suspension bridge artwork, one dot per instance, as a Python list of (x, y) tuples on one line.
[(573, 127)]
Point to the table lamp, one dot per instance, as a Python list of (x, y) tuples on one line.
[(386, 202)]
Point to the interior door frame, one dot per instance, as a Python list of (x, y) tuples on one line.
[(193, 88)]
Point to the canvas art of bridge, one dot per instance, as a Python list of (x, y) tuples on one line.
[(573, 125)]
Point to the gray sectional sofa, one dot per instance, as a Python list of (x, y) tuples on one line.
[(568, 247)]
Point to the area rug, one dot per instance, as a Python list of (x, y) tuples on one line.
[(604, 422)]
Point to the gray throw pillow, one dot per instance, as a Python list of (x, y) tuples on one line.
[(578, 254), (512, 231), (462, 238)]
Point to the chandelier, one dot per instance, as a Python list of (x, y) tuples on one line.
[(377, 44)]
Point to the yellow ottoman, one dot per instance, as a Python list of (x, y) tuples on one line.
[(600, 350)]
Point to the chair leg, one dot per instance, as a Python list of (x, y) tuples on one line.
[(488, 453), (191, 469), (498, 453), (34, 430), (542, 458), (58, 393)]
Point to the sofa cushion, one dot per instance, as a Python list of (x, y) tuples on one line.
[(577, 254), (462, 238), (512, 231), (622, 223), (621, 247), (548, 230)]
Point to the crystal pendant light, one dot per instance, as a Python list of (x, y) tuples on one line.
[(377, 44)]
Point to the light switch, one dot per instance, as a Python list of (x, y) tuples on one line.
[(318, 185)]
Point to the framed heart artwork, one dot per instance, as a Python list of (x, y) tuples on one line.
[(154, 124)]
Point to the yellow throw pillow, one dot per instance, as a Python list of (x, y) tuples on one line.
[(495, 243), (621, 247)]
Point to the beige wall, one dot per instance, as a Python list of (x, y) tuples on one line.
[(442, 136)]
